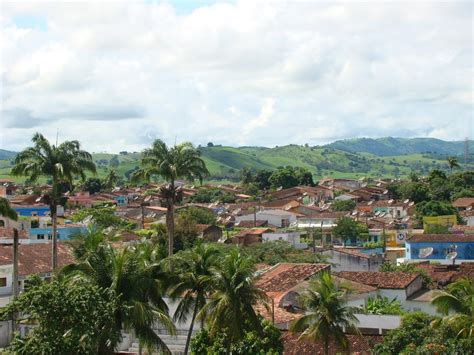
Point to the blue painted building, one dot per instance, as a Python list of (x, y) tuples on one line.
[(442, 244), (64, 232), (121, 200), (37, 211)]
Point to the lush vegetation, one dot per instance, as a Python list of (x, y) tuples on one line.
[(350, 230), (327, 316), (347, 205), (208, 195), (382, 305), (102, 216)]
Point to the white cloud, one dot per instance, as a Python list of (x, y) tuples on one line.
[(119, 74)]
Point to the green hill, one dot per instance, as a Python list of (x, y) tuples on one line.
[(390, 146), (395, 157)]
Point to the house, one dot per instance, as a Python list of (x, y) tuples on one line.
[(342, 184), (291, 237), (64, 232), (324, 221), (306, 194), (32, 259), (351, 259), (80, 199), (283, 283), (445, 248), (6, 236), (400, 285), (464, 203), (210, 233), (278, 218), (249, 236), (251, 224)]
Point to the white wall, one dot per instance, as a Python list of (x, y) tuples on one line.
[(6, 271), (291, 237), (273, 219)]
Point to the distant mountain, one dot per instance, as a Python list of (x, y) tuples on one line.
[(6, 154), (399, 146)]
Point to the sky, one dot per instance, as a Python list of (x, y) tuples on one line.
[(116, 75)]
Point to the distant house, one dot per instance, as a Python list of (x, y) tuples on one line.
[(401, 285), (64, 232), (464, 203), (438, 246), (32, 259), (80, 199), (277, 218), (344, 184), (249, 236), (283, 283), (305, 194), (210, 233), (349, 259), (290, 237)]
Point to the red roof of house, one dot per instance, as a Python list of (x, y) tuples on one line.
[(284, 276), (389, 280), (464, 202), (357, 344), (7, 233), (35, 258)]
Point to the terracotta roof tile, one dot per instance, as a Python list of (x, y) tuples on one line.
[(357, 344), (388, 280), (284, 276), (35, 258)]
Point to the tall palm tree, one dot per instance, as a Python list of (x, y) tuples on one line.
[(234, 296), (327, 317), (458, 297), (136, 281), (111, 179), (62, 163), (194, 270), (180, 161), (452, 163)]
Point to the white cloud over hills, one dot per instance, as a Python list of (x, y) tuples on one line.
[(116, 75)]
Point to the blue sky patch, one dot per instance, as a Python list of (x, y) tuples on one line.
[(33, 22)]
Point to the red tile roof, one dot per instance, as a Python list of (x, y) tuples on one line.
[(390, 280), (35, 258), (7, 233), (284, 276), (357, 344), (464, 202), (429, 238)]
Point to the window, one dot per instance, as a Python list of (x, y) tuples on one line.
[(285, 222), (3, 281), (2, 223), (40, 236), (50, 237)]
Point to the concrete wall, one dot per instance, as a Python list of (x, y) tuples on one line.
[(5, 333), (291, 237), (346, 262), (380, 322)]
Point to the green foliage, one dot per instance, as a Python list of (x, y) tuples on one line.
[(347, 205), (262, 179), (284, 177), (414, 191), (72, 317), (417, 335), (383, 305), (435, 208), (327, 316), (372, 245), (114, 161), (267, 342), (200, 215), (103, 217), (6, 210), (348, 229), (92, 185), (272, 253), (207, 195)]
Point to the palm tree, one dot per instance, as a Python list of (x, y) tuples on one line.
[(452, 163), (326, 315), (458, 297), (234, 296), (111, 179), (6, 210), (136, 280), (171, 164), (62, 163), (194, 268)]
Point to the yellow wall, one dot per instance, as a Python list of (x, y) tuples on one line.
[(445, 221)]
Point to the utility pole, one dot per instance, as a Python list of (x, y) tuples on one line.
[(15, 287)]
